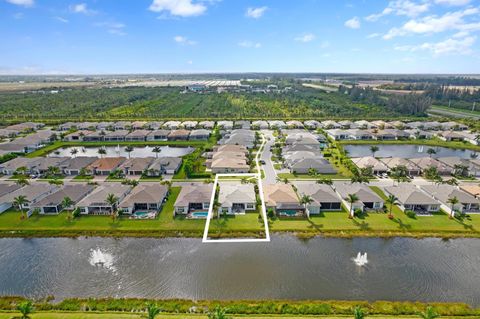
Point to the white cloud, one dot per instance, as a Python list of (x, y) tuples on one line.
[(453, 2), (250, 44), (373, 35), (353, 23), (23, 3), (255, 12), (446, 47), (181, 8), (183, 40), (308, 37), (61, 19), (113, 27), (82, 8), (402, 8), (436, 24)]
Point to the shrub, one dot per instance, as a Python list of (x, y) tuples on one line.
[(410, 213)]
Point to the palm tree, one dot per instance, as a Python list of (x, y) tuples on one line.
[(74, 151), (129, 149), (391, 200), (26, 308), (22, 181), (431, 152), (373, 149), (112, 201), (218, 313), (152, 311), (305, 200), (326, 181), (53, 171), (429, 314), (453, 201), (67, 202), (156, 150), (18, 202), (358, 313), (102, 151), (282, 180), (351, 198)]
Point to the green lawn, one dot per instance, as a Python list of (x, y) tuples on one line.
[(226, 225)]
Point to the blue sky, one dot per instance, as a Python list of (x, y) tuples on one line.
[(191, 36)]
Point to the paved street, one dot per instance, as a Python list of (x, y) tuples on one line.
[(270, 174)]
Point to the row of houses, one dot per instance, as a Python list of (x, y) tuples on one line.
[(450, 165), (363, 124), (138, 135), (16, 129), (41, 166), (136, 125), (302, 153), (28, 143), (89, 199)]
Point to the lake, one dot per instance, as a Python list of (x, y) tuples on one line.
[(405, 151), (114, 151), (286, 268)]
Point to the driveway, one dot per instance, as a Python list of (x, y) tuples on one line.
[(270, 174)]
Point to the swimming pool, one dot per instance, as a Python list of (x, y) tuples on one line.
[(199, 215), (143, 215), (288, 212)]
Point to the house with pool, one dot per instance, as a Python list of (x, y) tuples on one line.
[(368, 200), (411, 197), (283, 200), (96, 203), (236, 198), (323, 198), (144, 201), (194, 200)]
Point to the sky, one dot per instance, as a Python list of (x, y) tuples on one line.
[(196, 36)]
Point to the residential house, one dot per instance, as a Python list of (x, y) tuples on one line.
[(418, 134), (236, 198), (283, 200), (367, 199), (294, 124), (135, 166), (467, 203), (200, 134), (242, 125), (260, 125), (95, 203), (393, 162), (312, 124), (412, 198), (338, 135), (472, 166), (33, 193), (11, 166), (97, 136), (189, 125), (138, 125), (453, 126), (319, 165), (194, 200), (323, 198), (164, 165), (158, 135), (472, 189), (451, 136), (209, 125), (426, 162), (116, 136), (146, 197), (138, 135), (53, 203), (73, 166), (178, 135), (377, 166), (328, 125), (43, 164), (7, 188), (77, 136), (280, 125), (172, 125), (122, 125), (104, 166), (225, 125)]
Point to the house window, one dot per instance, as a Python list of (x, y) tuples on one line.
[(206, 205), (250, 206)]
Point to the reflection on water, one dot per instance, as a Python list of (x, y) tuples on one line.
[(405, 151), (114, 151), (286, 268)]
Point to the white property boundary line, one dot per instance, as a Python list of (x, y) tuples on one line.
[(258, 175)]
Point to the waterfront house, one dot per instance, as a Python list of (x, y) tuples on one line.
[(135, 166), (77, 136), (7, 188), (453, 126), (73, 166), (95, 203), (158, 135), (164, 165), (53, 203), (194, 200), (467, 203), (33, 193), (338, 135), (392, 162), (358, 134), (418, 134), (367, 199), (412, 198), (104, 166), (97, 136), (200, 134), (178, 135), (236, 198), (283, 200), (139, 135), (116, 136), (323, 198), (451, 136), (377, 166), (145, 197)]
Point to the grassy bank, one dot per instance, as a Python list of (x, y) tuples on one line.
[(240, 308), (426, 142)]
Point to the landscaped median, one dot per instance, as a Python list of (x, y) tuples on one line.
[(187, 309)]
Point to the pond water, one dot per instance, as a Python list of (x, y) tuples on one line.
[(405, 151), (286, 268), (114, 151)]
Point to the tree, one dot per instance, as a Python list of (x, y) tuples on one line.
[(431, 152), (391, 200), (129, 149), (66, 203), (22, 181), (358, 313), (312, 172), (326, 181), (18, 202), (431, 174), (112, 201), (218, 313), (399, 174), (373, 149), (156, 150), (26, 308), (74, 151), (460, 170), (429, 314), (474, 155), (102, 151), (359, 178), (305, 200), (453, 201), (451, 181), (282, 180), (351, 198), (55, 181), (53, 171), (152, 311)]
